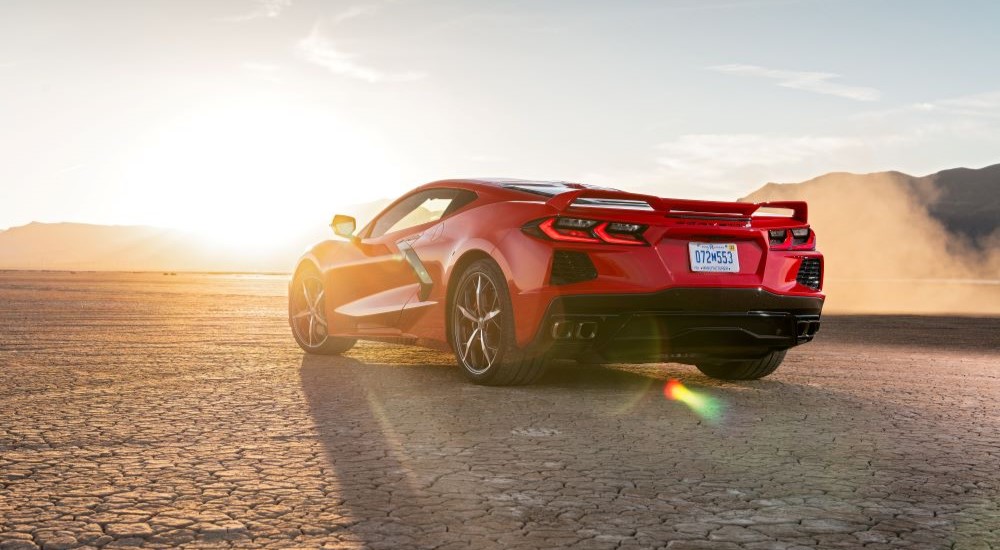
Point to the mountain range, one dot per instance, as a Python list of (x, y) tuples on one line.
[(88, 247), (966, 202), (890, 225)]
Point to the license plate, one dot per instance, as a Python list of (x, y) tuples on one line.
[(714, 257)]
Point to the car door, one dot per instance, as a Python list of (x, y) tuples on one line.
[(390, 273)]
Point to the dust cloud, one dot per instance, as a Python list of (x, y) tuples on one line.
[(886, 254)]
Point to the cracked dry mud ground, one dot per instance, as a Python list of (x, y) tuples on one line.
[(154, 411)]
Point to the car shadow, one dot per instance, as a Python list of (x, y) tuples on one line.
[(421, 458), (373, 475)]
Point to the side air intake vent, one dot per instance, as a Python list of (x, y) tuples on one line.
[(571, 267), (810, 273)]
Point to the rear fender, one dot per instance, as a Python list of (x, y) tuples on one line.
[(525, 262), (522, 261)]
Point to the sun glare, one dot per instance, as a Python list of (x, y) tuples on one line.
[(254, 175)]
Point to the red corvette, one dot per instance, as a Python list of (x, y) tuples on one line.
[(510, 273)]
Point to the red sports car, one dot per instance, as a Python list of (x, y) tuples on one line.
[(510, 273)]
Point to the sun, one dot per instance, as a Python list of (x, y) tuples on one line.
[(254, 175)]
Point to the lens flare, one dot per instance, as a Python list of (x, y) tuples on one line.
[(703, 405)]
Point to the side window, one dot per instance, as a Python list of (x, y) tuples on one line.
[(420, 208)]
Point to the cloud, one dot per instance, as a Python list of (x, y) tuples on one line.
[(71, 168), (265, 8), (264, 71), (260, 67), (983, 106), (688, 5), (910, 137), (819, 83), (721, 160), (986, 104), (320, 50), (968, 125), (353, 12), (728, 166), (487, 158), (715, 152)]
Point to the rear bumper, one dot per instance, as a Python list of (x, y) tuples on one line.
[(680, 324)]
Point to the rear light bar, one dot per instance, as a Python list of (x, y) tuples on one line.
[(581, 230), (799, 238)]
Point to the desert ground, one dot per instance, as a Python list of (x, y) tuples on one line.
[(158, 410)]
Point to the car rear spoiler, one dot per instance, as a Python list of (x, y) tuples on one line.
[(676, 207)]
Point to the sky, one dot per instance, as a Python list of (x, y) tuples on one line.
[(250, 120)]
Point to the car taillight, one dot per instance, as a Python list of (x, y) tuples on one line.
[(579, 230), (799, 238), (569, 230)]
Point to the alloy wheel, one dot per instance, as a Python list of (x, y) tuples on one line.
[(476, 322), (309, 319)]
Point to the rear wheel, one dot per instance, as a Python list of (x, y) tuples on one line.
[(482, 330), (743, 370), (307, 315)]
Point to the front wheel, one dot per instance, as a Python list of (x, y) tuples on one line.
[(307, 315), (743, 370), (482, 330)]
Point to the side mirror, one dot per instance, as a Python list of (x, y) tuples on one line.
[(344, 226)]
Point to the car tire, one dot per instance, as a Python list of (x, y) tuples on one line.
[(482, 330), (743, 370), (307, 316)]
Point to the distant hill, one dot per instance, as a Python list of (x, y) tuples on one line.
[(966, 202), (79, 246)]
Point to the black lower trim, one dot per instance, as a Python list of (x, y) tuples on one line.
[(569, 267), (410, 255), (681, 324)]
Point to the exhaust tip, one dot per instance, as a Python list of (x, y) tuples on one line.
[(567, 330), (586, 330), (562, 330), (807, 328)]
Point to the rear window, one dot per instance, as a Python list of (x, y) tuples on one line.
[(613, 203), (547, 189), (551, 189)]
